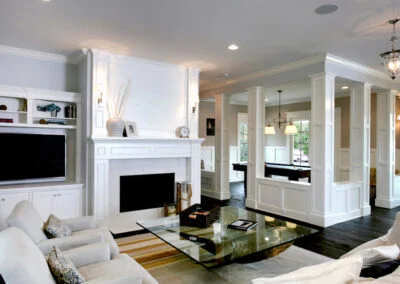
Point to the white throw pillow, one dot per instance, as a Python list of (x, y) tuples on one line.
[(346, 270), (376, 255)]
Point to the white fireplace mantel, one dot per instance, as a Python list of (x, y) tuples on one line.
[(104, 150)]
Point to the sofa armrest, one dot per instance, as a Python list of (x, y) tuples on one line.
[(123, 279), (89, 254), (70, 242), (81, 223)]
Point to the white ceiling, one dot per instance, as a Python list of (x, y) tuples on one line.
[(197, 32)]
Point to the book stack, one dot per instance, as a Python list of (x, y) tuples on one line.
[(8, 120), (70, 111)]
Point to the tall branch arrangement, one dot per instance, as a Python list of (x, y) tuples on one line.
[(116, 104)]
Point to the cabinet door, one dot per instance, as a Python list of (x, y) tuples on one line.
[(7, 203), (69, 203), (44, 203)]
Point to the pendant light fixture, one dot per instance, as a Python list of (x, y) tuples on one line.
[(391, 58), (290, 129)]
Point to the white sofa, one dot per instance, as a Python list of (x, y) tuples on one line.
[(21, 261), (347, 268), (84, 230)]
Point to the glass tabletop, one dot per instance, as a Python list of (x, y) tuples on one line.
[(209, 249)]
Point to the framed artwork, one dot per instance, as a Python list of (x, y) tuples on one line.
[(130, 128), (210, 126)]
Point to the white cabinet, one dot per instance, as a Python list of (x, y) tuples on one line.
[(7, 203), (61, 203)]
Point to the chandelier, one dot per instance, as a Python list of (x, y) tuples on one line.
[(391, 58), (290, 129)]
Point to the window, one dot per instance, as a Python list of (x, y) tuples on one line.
[(301, 142), (243, 143), (242, 137)]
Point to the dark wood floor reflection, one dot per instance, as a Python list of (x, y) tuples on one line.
[(332, 241)]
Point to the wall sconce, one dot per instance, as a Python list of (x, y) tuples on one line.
[(398, 117), (195, 107)]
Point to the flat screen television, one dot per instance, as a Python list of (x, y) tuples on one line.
[(32, 157)]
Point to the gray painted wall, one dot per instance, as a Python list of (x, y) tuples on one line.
[(40, 74)]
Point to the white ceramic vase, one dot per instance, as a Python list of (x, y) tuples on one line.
[(115, 127)]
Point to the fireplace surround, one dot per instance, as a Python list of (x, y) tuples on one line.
[(113, 157)]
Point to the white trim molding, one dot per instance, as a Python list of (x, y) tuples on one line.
[(34, 54)]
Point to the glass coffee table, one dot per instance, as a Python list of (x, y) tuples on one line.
[(269, 237)]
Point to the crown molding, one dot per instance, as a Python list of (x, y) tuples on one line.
[(38, 55), (327, 58), (356, 67), (270, 71)]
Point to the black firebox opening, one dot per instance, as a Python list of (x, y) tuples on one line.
[(138, 192)]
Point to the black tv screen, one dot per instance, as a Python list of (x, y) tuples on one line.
[(32, 157)]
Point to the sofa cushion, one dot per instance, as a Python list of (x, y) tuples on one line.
[(62, 268), (114, 249), (56, 228), (21, 261), (346, 270), (25, 217), (120, 265)]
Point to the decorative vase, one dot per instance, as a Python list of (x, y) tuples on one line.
[(115, 127)]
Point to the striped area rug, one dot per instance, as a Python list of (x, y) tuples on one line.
[(150, 251), (168, 265)]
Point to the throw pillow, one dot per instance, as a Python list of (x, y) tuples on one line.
[(379, 254), (346, 270), (56, 228), (62, 268), (380, 269)]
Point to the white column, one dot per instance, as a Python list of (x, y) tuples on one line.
[(193, 101), (256, 123), (322, 134), (360, 118), (385, 144), (222, 166)]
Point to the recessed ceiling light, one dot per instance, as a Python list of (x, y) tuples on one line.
[(326, 9), (345, 87), (46, 0), (233, 47)]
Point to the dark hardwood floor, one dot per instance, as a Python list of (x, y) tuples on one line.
[(332, 241)]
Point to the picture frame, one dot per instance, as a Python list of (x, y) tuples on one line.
[(210, 126), (130, 128)]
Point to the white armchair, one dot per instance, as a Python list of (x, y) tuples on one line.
[(21, 261), (84, 230)]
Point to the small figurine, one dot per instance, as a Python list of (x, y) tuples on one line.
[(54, 109)]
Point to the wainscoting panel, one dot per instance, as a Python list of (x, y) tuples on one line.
[(287, 198), (277, 155)]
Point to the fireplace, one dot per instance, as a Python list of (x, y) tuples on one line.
[(148, 191), (116, 157)]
